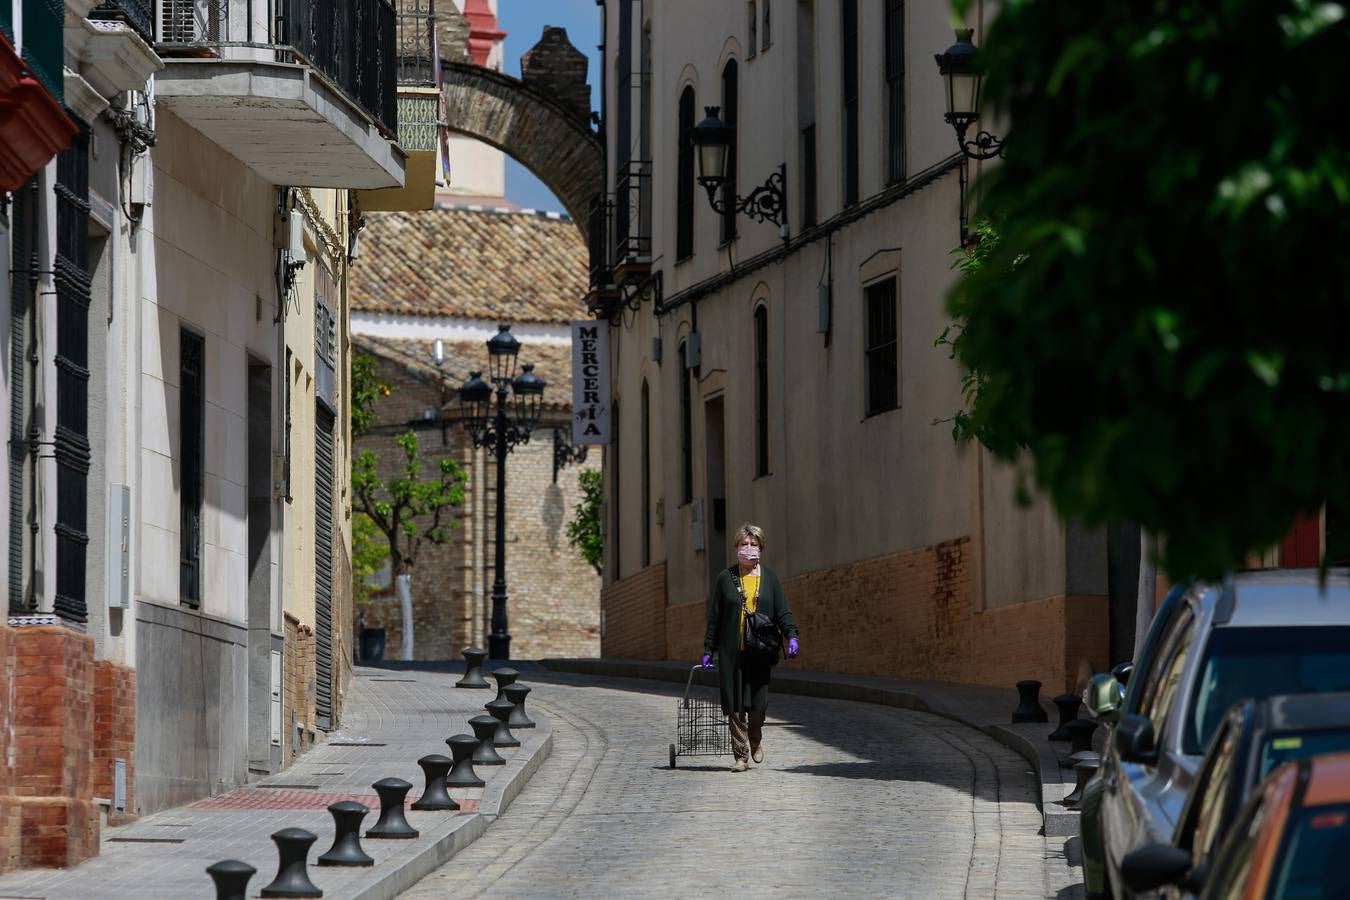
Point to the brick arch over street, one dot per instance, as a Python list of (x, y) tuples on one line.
[(544, 135)]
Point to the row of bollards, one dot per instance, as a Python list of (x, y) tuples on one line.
[(490, 731), (1071, 729)]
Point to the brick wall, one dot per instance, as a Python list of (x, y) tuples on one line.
[(553, 605), (47, 814), (905, 614), (114, 733), (297, 702), (635, 615)]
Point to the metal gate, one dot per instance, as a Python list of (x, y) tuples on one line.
[(323, 566)]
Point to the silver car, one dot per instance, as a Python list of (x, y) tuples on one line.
[(1256, 635)]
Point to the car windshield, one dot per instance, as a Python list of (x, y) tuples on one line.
[(1261, 662), (1278, 748), (1312, 860)]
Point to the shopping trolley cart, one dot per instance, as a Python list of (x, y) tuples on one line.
[(700, 727)]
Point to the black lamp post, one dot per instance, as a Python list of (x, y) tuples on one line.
[(501, 433), (962, 75), (712, 142)]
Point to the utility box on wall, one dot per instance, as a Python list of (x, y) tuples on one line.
[(119, 546)]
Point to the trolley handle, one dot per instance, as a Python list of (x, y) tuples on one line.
[(689, 682)]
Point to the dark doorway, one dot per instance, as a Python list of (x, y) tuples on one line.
[(717, 488), (260, 685)]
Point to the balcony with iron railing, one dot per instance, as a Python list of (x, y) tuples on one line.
[(418, 111), (633, 216), (309, 98)]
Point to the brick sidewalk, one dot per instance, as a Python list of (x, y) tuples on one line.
[(391, 720)]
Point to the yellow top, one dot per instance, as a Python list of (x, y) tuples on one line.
[(751, 585)]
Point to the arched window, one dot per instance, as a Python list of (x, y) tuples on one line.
[(761, 391), (684, 181), (686, 429), (730, 90)]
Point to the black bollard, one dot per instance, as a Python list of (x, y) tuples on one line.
[(231, 877), (292, 876), (1029, 703), (485, 728), (473, 669), (1067, 704), (435, 797), (1082, 773), (516, 694), (500, 709), (462, 775), (504, 677), (392, 824), (346, 849), (1080, 734)]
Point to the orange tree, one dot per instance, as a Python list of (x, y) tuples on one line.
[(1161, 327)]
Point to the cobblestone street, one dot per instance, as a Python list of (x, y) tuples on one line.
[(853, 799)]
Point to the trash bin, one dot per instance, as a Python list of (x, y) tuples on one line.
[(372, 643)]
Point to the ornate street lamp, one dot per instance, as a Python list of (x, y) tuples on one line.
[(961, 72), (501, 434), (712, 144)]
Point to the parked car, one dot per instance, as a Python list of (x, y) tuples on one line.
[(1290, 842), (1255, 635), (1108, 696), (1254, 738)]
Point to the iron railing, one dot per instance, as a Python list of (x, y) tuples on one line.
[(633, 212), (139, 14), (416, 42), (598, 240), (353, 42), (194, 22)]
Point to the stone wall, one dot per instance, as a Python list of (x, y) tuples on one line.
[(635, 616), (297, 699), (905, 614), (114, 735), (47, 814)]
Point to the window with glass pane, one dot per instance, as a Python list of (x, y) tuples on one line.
[(684, 197), (1260, 662), (752, 23), (761, 391), (883, 348)]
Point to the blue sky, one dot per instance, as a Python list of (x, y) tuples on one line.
[(524, 21)]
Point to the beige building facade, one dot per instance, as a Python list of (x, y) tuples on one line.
[(789, 376)]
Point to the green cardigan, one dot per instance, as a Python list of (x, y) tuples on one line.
[(723, 636)]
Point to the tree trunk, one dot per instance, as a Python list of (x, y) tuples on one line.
[(1148, 590), (403, 584)]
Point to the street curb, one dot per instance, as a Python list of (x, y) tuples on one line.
[(399, 873), (1028, 741)]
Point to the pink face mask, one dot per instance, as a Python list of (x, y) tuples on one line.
[(748, 554)]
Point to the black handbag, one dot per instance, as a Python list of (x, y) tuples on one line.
[(763, 639)]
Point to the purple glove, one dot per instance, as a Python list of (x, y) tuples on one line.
[(707, 660), (793, 648)]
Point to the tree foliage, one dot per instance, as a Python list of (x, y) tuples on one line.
[(370, 551), (1160, 326), (584, 532)]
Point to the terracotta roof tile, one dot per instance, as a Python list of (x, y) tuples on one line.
[(552, 362), (513, 267)]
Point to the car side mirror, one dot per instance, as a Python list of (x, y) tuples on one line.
[(1103, 696), (1152, 866), (1135, 741), (1123, 671)]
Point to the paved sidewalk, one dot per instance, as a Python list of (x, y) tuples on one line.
[(392, 719)]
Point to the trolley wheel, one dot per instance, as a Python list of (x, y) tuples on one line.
[(672, 756)]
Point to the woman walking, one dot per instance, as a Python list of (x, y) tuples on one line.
[(741, 590)]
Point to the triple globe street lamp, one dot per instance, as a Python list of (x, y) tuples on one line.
[(500, 433)]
